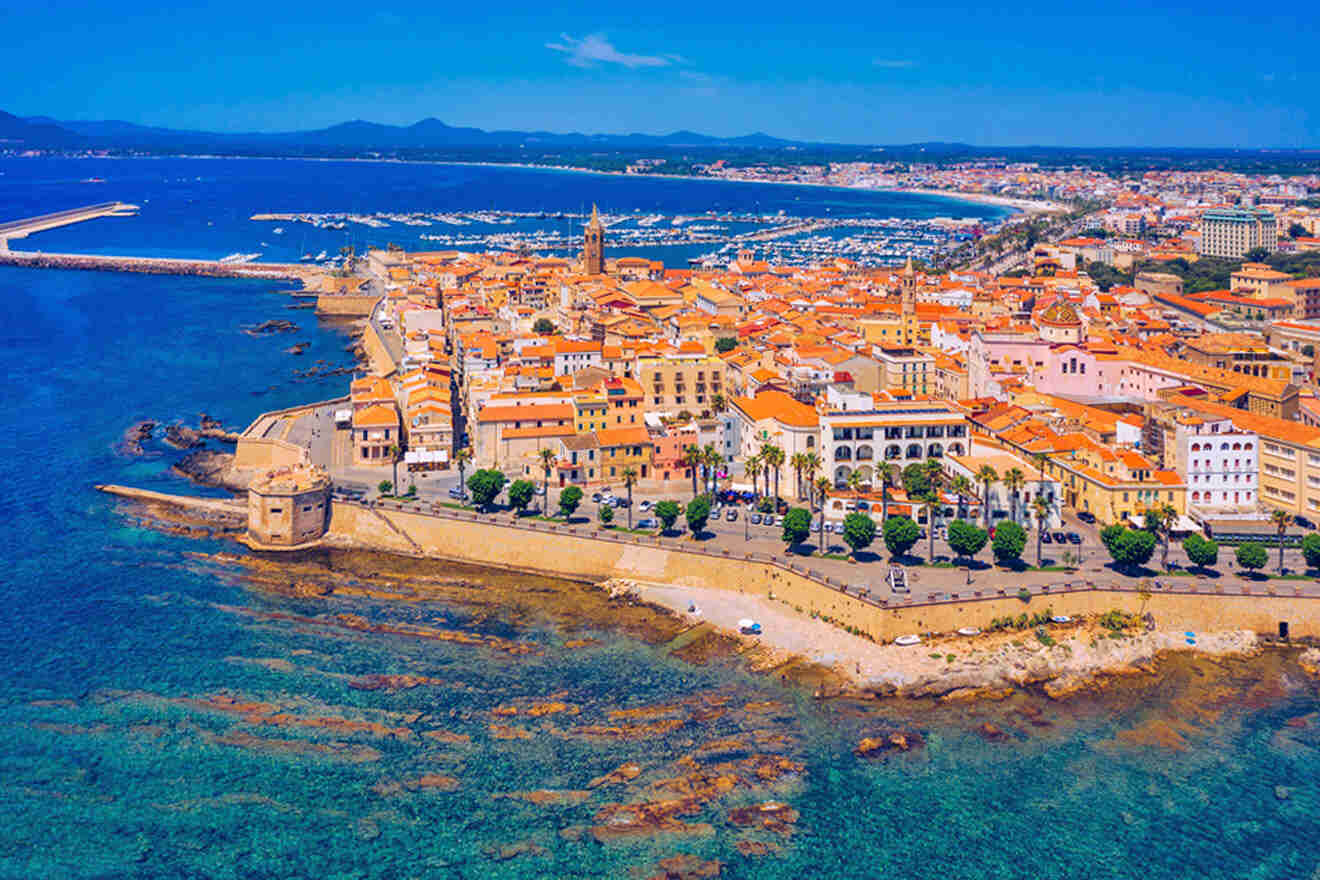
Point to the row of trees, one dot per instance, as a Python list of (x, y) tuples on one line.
[(1132, 548)]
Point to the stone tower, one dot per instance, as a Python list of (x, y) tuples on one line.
[(907, 289), (593, 246)]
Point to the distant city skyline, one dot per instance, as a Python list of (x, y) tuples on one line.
[(1213, 75)]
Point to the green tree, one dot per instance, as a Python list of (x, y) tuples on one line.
[(797, 526), (394, 452), (1133, 548), (1252, 556), (385, 487), (1311, 550), (962, 487), (915, 480), (1110, 534), (887, 473), (901, 534), (1282, 519), (1040, 509), (822, 493), (606, 514), (667, 512), (1256, 255), (486, 484), (1200, 552), (548, 458), (726, 344), (987, 477), (569, 499), (1160, 520), (858, 531), (773, 456), (1010, 540), (965, 539), (697, 514), (462, 457), (521, 493), (1014, 480), (1296, 230), (692, 459), (629, 475), (543, 327)]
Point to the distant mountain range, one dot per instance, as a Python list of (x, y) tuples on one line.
[(358, 135)]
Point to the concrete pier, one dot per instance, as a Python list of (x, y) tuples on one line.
[(24, 228), (155, 265)]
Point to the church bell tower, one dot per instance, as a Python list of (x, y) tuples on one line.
[(593, 246)]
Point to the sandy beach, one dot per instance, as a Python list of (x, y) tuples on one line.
[(949, 666)]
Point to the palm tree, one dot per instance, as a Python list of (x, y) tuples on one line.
[(393, 453), (753, 470), (461, 459), (798, 463), (822, 487), (1161, 518), (1281, 519), (773, 456), (711, 458), (811, 467), (692, 460), (548, 459), (986, 476), (629, 477), (1041, 508), (887, 473), (931, 500), (855, 482), (719, 403), (962, 487), (1014, 479)]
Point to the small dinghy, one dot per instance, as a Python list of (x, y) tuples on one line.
[(1060, 618), (749, 627), (907, 640), (969, 631)]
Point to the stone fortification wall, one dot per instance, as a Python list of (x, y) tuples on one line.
[(378, 355), (345, 305), (585, 556), (258, 453)]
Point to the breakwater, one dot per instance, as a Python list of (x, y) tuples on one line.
[(155, 265)]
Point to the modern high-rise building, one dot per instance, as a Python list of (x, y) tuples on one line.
[(1233, 232)]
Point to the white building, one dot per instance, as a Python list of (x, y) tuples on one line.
[(1219, 464), (856, 431)]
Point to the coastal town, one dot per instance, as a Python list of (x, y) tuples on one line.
[(1094, 386)]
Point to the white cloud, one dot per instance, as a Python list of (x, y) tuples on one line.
[(596, 49), (894, 63)]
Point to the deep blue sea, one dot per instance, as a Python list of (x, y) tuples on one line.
[(165, 717)]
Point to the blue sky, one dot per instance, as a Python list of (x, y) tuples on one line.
[(1214, 73)]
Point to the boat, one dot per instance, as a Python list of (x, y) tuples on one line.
[(969, 631), (749, 627), (1060, 618), (278, 230), (907, 641), (321, 255), (305, 257)]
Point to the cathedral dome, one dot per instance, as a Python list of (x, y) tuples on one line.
[(1061, 314)]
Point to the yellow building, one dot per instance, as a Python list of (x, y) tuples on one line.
[(688, 380)]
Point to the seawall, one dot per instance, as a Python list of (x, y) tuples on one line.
[(154, 265), (585, 554), (345, 305)]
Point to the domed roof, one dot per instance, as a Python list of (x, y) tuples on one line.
[(1060, 312)]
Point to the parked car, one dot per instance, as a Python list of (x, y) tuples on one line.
[(863, 505), (1060, 538), (731, 514), (457, 492), (1086, 516), (647, 523), (1074, 538), (754, 519), (596, 497), (619, 502), (838, 528), (779, 521), (1045, 537), (644, 506)]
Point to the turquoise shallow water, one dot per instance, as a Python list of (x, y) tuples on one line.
[(127, 756)]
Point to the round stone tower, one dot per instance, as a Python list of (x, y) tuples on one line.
[(289, 506)]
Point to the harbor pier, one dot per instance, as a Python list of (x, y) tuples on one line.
[(25, 227)]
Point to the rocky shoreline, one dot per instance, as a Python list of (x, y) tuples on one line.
[(1080, 657)]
